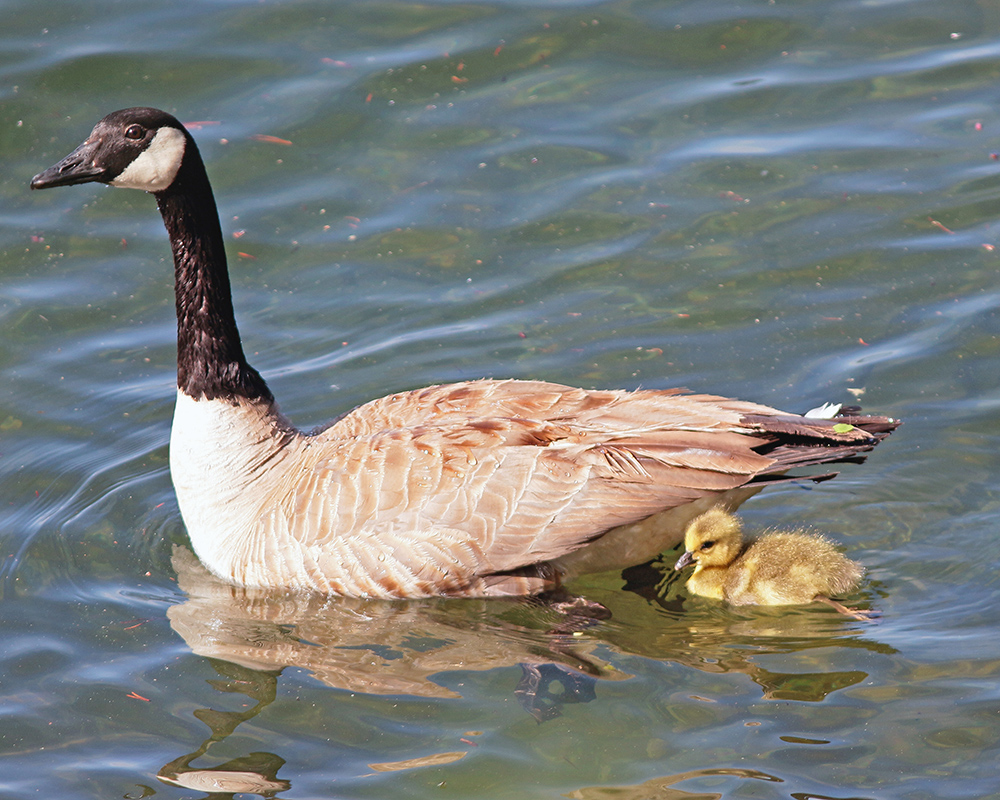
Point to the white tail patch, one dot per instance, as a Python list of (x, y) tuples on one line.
[(156, 167), (825, 411)]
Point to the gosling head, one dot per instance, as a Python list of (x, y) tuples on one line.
[(713, 539), (135, 148)]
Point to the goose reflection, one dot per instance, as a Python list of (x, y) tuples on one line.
[(254, 773), (373, 647), (388, 647)]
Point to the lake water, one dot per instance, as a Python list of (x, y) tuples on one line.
[(788, 202)]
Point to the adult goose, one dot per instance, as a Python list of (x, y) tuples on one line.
[(480, 488)]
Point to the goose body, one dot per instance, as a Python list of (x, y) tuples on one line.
[(780, 568), (478, 488)]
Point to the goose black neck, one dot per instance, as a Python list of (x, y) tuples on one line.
[(210, 359)]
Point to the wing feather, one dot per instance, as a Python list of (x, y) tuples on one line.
[(440, 487)]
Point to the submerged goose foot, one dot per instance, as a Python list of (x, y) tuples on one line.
[(537, 695), (576, 606), (576, 613)]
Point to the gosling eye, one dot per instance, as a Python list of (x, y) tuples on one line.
[(707, 546), (134, 132)]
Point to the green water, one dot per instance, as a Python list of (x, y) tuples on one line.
[(788, 202)]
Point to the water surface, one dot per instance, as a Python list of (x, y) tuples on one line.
[(785, 202)]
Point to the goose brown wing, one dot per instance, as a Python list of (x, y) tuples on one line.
[(460, 481)]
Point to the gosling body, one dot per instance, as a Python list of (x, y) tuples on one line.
[(780, 568)]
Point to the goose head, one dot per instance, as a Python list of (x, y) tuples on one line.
[(148, 149), (713, 539), (134, 148)]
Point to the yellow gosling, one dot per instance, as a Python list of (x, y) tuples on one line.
[(781, 568)]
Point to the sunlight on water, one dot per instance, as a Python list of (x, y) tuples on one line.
[(787, 203)]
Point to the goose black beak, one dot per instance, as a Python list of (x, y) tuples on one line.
[(77, 167), (684, 560)]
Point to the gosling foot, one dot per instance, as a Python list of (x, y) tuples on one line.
[(855, 613)]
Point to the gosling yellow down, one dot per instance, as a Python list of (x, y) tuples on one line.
[(779, 568)]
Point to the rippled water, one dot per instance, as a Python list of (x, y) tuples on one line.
[(785, 202)]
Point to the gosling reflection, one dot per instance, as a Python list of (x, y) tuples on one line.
[(756, 641)]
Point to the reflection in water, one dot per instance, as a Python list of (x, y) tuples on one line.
[(375, 647), (400, 648), (254, 773), (661, 788), (435, 760), (713, 637), (383, 647)]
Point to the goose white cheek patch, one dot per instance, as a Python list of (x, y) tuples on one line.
[(157, 165)]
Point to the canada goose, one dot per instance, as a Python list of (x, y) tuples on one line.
[(780, 568), (488, 487)]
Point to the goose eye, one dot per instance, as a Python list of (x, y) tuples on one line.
[(707, 546), (134, 132)]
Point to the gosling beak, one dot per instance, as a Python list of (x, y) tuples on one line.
[(684, 560), (78, 167)]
